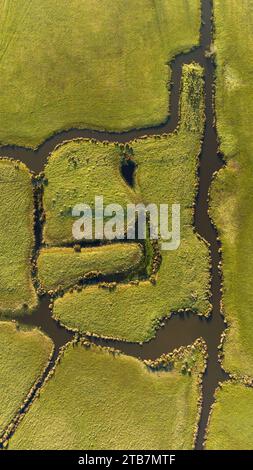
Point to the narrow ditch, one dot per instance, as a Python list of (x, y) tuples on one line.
[(180, 329)]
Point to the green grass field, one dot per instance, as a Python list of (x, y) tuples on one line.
[(23, 357), (231, 422), (76, 172), (64, 267), (232, 195), (17, 294), (131, 312), (133, 407), (66, 63)]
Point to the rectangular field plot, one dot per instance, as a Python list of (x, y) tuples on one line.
[(63, 267), (17, 294), (24, 355), (231, 421), (98, 399), (232, 195), (88, 64)]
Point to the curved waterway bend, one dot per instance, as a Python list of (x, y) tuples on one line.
[(180, 329)]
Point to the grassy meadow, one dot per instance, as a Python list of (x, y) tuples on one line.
[(135, 405), (17, 294), (72, 63), (232, 195), (231, 421), (24, 355), (65, 267), (131, 311), (76, 172)]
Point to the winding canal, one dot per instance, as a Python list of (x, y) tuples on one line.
[(180, 329)]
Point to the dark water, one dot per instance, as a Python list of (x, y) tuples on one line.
[(180, 329)]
